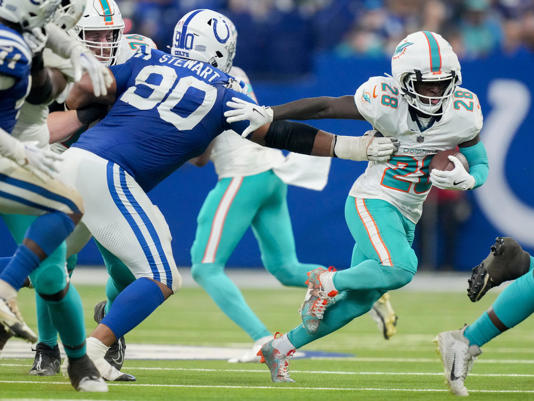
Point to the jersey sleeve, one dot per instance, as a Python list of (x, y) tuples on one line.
[(122, 75), (238, 126), (15, 56)]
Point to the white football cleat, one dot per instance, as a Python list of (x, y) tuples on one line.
[(85, 377), (11, 319), (457, 357), (384, 316), (252, 354)]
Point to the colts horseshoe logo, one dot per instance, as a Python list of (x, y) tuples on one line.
[(214, 26)]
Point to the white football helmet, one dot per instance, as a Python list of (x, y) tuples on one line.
[(130, 44), (205, 35), (28, 14), (101, 15), (69, 13), (426, 57)]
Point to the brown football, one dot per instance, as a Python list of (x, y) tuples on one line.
[(441, 160)]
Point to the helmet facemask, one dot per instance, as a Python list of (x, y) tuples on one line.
[(104, 51), (431, 105)]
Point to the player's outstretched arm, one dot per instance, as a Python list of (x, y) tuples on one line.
[(82, 94), (314, 108), (303, 109), (302, 138)]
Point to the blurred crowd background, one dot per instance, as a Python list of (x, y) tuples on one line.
[(278, 38)]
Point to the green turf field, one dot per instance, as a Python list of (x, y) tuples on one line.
[(403, 368)]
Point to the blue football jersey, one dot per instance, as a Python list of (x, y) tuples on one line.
[(168, 110), (15, 61)]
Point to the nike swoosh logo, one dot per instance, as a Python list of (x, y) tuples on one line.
[(453, 376), (457, 182), (374, 92), (257, 111)]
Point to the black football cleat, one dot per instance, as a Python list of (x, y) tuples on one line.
[(47, 361), (84, 376)]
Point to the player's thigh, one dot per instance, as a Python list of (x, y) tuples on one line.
[(119, 272), (77, 240), (121, 217), (272, 227), (224, 218), (22, 192), (381, 232)]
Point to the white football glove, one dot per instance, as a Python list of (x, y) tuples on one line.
[(36, 39), (83, 60), (458, 178), (243, 110), (367, 147), (41, 162)]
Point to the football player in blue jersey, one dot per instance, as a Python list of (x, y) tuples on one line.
[(27, 185), (460, 348), (165, 110)]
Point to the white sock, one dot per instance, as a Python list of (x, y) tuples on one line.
[(283, 345), (96, 348), (327, 281), (7, 291)]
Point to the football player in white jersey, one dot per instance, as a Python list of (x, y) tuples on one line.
[(422, 106), (251, 192)]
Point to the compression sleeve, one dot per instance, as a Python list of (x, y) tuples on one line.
[(478, 162)]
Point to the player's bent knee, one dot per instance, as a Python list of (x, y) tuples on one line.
[(49, 279), (56, 296), (203, 271)]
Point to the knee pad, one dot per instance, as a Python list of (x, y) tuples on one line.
[(51, 276), (56, 297)]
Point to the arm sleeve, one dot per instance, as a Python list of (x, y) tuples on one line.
[(238, 126), (478, 162), (122, 74)]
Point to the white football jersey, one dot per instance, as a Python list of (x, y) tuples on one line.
[(404, 180), (234, 156), (31, 125)]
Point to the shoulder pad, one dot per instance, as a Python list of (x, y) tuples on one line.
[(466, 112), (378, 100)]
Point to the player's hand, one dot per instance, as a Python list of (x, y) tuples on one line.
[(36, 39), (83, 60), (41, 162), (367, 147), (458, 178), (380, 148), (243, 110)]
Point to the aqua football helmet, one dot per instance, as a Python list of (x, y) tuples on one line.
[(426, 57), (205, 35), (28, 14), (101, 15)]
